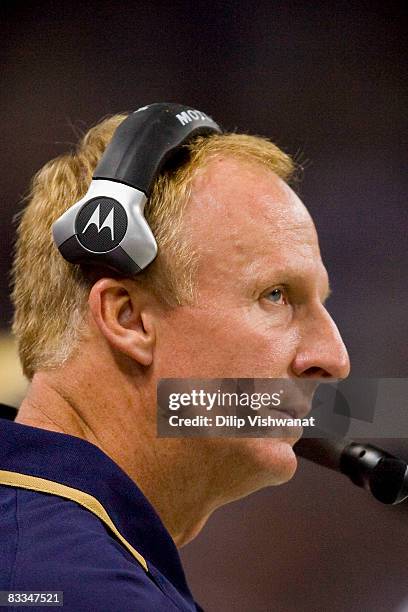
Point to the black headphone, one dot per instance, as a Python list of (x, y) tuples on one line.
[(107, 226)]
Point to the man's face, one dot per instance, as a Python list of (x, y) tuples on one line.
[(261, 287)]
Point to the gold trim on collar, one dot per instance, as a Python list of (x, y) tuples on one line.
[(24, 481)]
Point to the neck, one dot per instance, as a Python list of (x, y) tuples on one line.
[(172, 473)]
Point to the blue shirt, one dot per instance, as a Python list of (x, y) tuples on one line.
[(124, 561)]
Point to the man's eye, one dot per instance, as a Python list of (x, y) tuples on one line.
[(276, 296)]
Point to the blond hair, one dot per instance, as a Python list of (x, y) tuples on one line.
[(50, 295)]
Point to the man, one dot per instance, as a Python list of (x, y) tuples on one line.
[(95, 503)]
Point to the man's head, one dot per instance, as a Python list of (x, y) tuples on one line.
[(236, 291), (50, 296)]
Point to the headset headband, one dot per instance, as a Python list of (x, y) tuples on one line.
[(107, 226)]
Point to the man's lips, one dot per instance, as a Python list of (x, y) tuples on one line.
[(297, 413), (297, 397)]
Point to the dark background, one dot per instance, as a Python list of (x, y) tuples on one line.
[(327, 82)]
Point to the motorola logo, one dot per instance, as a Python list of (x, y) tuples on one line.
[(101, 224), (95, 219)]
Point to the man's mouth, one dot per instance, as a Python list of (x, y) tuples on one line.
[(297, 413)]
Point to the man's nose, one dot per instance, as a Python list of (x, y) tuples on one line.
[(321, 350)]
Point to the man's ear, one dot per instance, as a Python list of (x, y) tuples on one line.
[(122, 317)]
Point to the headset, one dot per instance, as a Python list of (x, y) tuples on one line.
[(107, 226)]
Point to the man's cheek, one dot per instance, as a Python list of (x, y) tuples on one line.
[(265, 355)]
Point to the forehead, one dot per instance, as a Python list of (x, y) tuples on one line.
[(244, 219)]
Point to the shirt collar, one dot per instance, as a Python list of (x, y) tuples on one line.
[(82, 465)]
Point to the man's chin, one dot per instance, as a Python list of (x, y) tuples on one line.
[(274, 460), (260, 463)]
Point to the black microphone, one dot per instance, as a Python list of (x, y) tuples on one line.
[(366, 465)]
